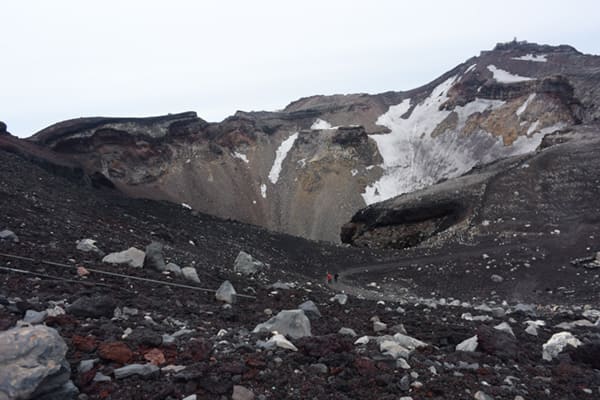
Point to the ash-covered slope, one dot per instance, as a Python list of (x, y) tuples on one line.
[(307, 169)]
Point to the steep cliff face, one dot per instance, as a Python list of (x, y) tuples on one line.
[(307, 169)]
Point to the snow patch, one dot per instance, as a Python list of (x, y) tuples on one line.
[(241, 156), (503, 76), (263, 190), (531, 57), (525, 104), (185, 205), (413, 159), (471, 68), (321, 124), (302, 163), (280, 156), (354, 172)]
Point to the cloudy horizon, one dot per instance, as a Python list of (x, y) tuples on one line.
[(67, 59)]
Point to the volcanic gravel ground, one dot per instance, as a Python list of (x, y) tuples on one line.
[(50, 213)]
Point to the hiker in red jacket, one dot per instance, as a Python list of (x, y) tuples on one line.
[(329, 277)]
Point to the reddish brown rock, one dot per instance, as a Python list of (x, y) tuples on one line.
[(155, 356), (84, 343), (115, 351)]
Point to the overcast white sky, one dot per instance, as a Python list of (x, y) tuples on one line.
[(64, 59)]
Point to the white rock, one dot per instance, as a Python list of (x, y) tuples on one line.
[(173, 368), (591, 314), (531, 329), (132, 257), (379, 326), (496, 278), (362, 340), (347, 331), (174, 268), (87, 245), (402, 363), (409, 342), (55, 311), (393, 349), (557, 343), (190, 274), (340, 298), (293, 323), (469, 344), (280, 341), (226, 293), (479, 395), (241, 393), (504, 327)]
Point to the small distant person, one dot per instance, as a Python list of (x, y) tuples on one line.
[(329, 277), (335, 277)]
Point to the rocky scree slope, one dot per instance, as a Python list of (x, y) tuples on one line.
[(120, 338), (307, 169)]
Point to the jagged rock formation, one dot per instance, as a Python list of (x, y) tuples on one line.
[(307, 169)]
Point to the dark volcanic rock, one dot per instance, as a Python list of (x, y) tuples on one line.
[(498, 343), (95, 306), (3, 130), (588, 353)]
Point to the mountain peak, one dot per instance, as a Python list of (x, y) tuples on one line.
[(530, 47)]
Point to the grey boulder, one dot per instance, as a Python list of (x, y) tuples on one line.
[(190, 274), (33, 364), (9, 236), (154, 258), (226, 293), (245, 264), (292, 323), (132, 257), (310, 309)]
